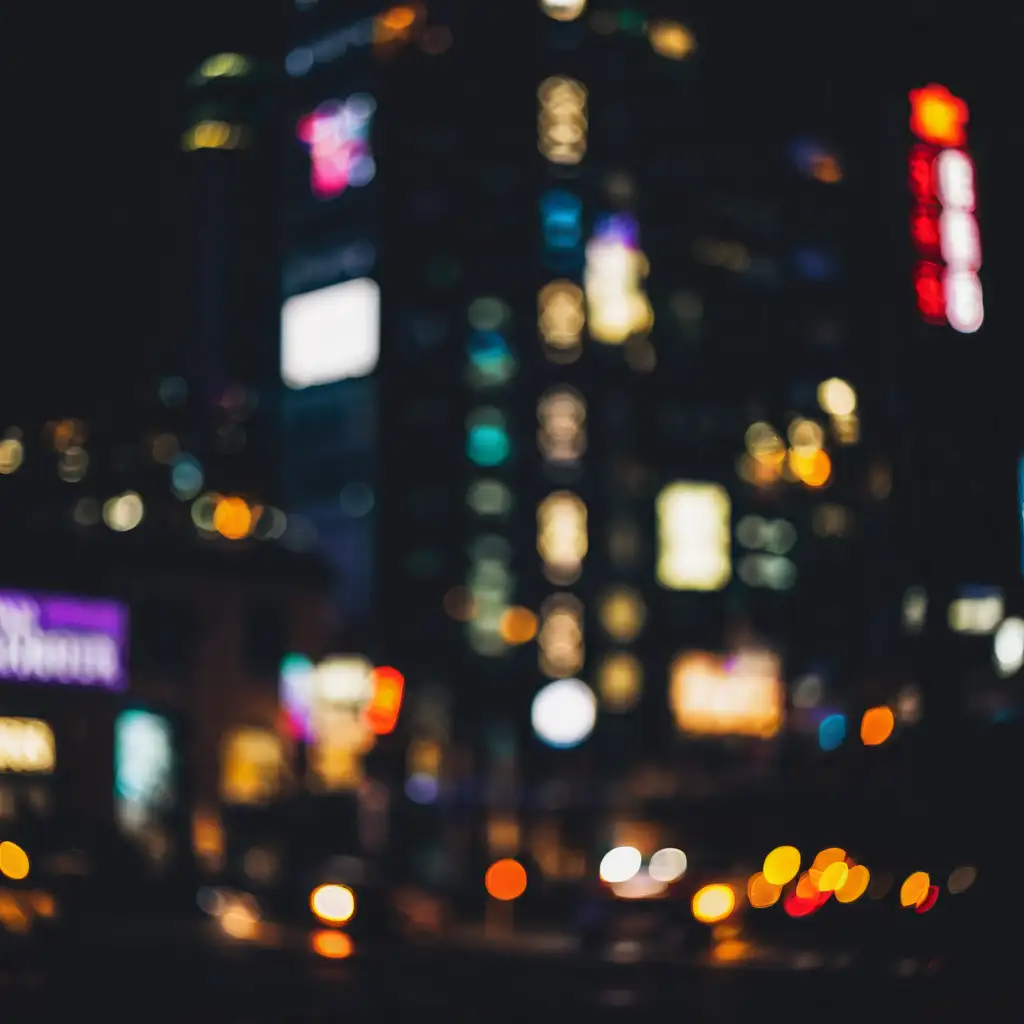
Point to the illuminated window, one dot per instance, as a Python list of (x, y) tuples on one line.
[(213, 135), (672, 40), (562, 437), (771, 571), (330, 334), (617, 306), (561, 319), (562, 536), (619, 682), (694, 536), (489, 498), (27, 746), (337, 135), (491, 362), (977, 612), (252, 767), (562, 121), (487, 440), (224, 65), (12, 454), (563, 10), (622, 614), (560, 640), (489, 592), (488, 314), (561, 219)]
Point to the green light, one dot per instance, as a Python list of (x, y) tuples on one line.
[(488, 444)]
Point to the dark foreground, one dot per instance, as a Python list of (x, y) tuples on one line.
[(190, 972)]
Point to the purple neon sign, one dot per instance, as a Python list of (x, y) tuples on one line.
[(67, 640)]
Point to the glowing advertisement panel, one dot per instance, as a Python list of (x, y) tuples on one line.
[(68, 640)]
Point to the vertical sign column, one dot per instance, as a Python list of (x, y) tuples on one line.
[(942, 225)]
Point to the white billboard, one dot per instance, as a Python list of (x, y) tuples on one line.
[(330, 334)]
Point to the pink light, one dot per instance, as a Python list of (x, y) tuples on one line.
[(336, 135)]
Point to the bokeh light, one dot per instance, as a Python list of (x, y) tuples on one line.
[(830, 855), (761, 892), (14, 862), (876, 726), (914, 889), (505, 879), (837, 398), (232, 518), (781, 865), (563, 10), (667, 865), (929, 900), (620, 865), (961, 878), (564, 713), (333, 904), (12, 455), (713, 903), (331, 944), (833, 877), (124, 512), (855, 886), (832, 732), (518, 626), (812, 468)]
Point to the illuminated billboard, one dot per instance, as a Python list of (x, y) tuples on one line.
[(942, 223), (741, 695), (27, 746), (73, 641), (330, 334)]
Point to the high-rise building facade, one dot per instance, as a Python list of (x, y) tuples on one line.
[(637, 243)]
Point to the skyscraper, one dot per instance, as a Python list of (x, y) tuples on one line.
[(676, 428)]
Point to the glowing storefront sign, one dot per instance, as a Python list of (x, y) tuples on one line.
[(337, 135), (144, 764), (252, 766), (66, 640), (27, 746), (742, 695), (339, 707), (942, 225)]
